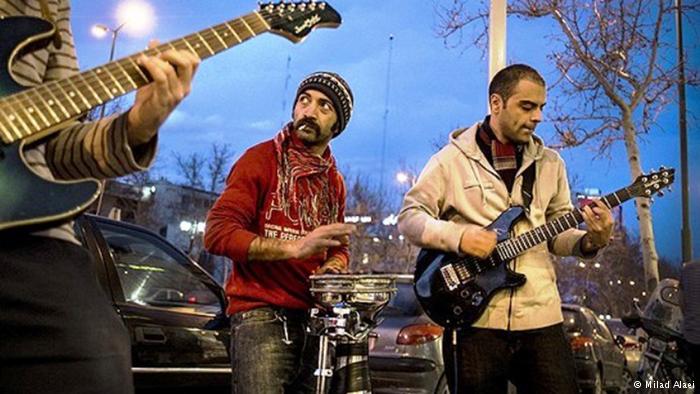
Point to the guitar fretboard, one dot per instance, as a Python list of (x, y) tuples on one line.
[(37, 109), (516, 246)]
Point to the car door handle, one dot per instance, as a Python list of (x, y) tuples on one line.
[(151, 335)]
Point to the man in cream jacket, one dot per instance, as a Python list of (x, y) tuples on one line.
[(465, 187)]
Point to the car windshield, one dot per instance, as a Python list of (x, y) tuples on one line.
[(404, 302)]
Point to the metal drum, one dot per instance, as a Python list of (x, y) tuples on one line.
[(348, 308), (368, 294)]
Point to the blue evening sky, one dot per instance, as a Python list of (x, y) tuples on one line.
[(238, 96)]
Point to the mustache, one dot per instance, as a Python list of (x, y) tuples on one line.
[(307, 123)]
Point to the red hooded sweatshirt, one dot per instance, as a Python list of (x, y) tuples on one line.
[(275, 190)]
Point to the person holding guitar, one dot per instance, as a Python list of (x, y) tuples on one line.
[(280, 219), (484, 170), (60, 334)]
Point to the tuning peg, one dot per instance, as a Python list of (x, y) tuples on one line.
[(651, 200), (660, 193), (662, 168)]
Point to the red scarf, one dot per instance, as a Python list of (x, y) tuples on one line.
[(305, 193), (503, 156)]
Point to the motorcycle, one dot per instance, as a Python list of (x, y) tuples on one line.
[(663, 367)]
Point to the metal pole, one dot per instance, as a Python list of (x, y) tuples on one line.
[(324, 371), (683, 131), (497, 36), (386, 116), (103, 183)]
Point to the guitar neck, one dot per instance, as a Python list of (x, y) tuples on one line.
[(516, 246), (35, 110)]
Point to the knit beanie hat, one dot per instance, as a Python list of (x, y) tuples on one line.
[(337, 90)]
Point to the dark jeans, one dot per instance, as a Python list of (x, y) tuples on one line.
[(263, 361), (535, 361), (58, 331)]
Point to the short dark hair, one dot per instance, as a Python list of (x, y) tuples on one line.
[(505, 80)]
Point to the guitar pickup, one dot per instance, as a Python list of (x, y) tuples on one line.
[(449, 275)]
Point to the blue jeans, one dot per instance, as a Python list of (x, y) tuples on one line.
[(535, 361), (265, 360)]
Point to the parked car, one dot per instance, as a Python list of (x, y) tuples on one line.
[(599, 358), (633, 344), (406, 347), (173, 309)]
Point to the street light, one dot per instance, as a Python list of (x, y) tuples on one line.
[(407, 178), (100, 31), (140, 16), (141, 19), (192, 229)]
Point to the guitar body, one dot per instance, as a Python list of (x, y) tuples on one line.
[(459, 303), (25, 198)]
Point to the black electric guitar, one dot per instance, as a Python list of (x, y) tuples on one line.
[(28, 115), (454, 290)]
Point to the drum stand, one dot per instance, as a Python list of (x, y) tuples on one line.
[(346, 330)]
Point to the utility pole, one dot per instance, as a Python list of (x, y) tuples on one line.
[(683, 131), (386, 117), (287, 78), (497, 37)]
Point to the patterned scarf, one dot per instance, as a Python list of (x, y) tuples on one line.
[(503, 156), (305, 193)]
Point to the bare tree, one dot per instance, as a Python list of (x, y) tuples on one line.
[(377, 246), (205, 172), (218, 166), (613, 75), (191, 169)]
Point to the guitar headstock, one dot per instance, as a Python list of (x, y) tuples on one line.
[(655, 182), (296, 20)]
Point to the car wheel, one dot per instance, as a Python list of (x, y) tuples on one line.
[(598, 384), (627, 380), (442, 387)]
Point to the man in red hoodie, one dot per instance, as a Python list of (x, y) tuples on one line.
[(280, 220)]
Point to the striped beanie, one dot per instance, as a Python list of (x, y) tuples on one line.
[(337, 90)]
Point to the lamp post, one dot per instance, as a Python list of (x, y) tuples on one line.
[(141, 18), (192, 228), (99, 30)]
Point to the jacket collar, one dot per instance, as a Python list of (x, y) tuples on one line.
[(465, 140)]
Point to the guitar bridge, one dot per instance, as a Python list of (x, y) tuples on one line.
[(449, 275)]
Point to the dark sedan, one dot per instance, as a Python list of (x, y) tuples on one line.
[(172, 308), (600, 360)]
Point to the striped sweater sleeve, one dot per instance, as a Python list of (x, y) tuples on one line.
[(92, 149)]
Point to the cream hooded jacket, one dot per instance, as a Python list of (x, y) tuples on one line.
[(459, 191)]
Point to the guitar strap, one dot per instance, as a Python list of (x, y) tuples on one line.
[(528, 185), (47, 15)]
